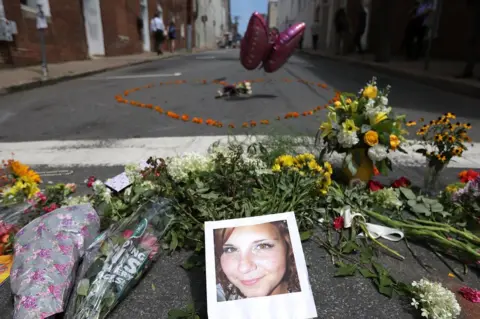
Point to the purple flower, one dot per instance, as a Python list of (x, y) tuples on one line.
[(29, 302), (67, 222), (84, 231), (61, 268), (40, 228), (38, 275), (44, 253), (92, 217), (61, 236)]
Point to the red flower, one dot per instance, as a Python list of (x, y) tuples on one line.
[(338, 223), (374, 185), (90, 181), (470, 294), (466, 176), (401, 182), (50, 208)]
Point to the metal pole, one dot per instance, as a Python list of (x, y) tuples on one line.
[(433, 32), (44, 54)]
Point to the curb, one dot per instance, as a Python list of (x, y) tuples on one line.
[(68, 77), (440, 82)]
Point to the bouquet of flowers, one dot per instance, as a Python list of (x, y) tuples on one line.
[(17, 182), (239, 89), (363, 122), (444, 139), (116, 261), (7, 233)]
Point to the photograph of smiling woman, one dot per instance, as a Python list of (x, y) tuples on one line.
[(254, 261)]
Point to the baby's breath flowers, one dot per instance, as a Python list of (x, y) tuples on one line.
[(434, 301)]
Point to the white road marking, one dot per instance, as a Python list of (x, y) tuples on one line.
[(205, 58), (123, 151), (137, 76), (5, 116)]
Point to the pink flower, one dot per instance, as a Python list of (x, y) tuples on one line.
[(5, 228), (41, 197), (374, 185), (50, 208), (71, 187), (150, 242), (470, 294), (127, 233)]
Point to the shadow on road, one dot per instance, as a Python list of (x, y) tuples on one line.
[(255, 96)]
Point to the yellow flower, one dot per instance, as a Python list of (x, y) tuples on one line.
[(451, 188), (411, 123), (394, 142), (285, 160), (276, 168), (312, 165), (337, 104), (328, 167), (371, 138), (379, 117), (450, 116), (438, 138), (451, 139), (353, 107), (370, 92), (326, 128), (348, 101), (349, 126)]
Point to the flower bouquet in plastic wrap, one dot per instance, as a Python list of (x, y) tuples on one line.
[(118, 259)]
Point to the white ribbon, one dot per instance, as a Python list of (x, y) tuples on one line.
[(375, 231)]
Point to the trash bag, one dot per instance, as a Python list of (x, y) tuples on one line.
[(47, 253), (118, 259)]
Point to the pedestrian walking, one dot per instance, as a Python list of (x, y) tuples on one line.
[(341, 30), (474, 38), (315, 29), (158, 29), (172, 35), (360, 29)]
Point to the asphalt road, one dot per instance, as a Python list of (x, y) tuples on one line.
[(85, 109)]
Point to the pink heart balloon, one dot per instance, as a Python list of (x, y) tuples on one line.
[(284, 47), (254, 46)]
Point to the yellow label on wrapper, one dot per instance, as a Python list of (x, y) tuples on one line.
[(6, 262)]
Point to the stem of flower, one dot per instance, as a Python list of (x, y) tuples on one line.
[(367, 233)]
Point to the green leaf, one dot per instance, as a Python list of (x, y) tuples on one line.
[(408, 193), (382, 167), (306, 235), (386, 291), (366, 273), (348, 247), (82, 288), (402, 150), (177, 314), (174, 242), (412, 202), (346, 270), (350, 165), (437, 208), (385, 280), (421, 209)]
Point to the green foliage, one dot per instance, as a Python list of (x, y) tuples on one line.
[(188, 312)]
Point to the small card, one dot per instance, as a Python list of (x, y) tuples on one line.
[(121, 181)]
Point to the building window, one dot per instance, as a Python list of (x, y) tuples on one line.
[(32, 6)]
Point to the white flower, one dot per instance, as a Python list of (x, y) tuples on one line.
[(377, 153), (435, 301), (347, 139), (179, 167), (133, 172), (384, 100), (219, 93)]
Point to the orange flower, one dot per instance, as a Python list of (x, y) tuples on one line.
[(322, 85), (133, 102), (185, 118), (376, 172), (126, 93), (278, 118), (253, 123), (245, 124), (149, 106), (204, 81), (218, 124), (231, 125), (197, 120), (210, 122), (265, 122), (158, 109), (173, 115)]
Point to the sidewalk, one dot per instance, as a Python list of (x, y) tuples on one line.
[(17, 79), (441, 73)]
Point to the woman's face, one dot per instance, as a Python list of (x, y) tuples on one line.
[(254, 260)]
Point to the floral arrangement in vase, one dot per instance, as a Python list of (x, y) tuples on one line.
[(443, 140), (363, 127)]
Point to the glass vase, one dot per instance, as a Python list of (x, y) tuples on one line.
[(432, 182)]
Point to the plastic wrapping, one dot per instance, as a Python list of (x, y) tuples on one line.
[(47, 252), (15, 214), (117, 260)]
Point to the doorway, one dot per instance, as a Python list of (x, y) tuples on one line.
[(93, 27)]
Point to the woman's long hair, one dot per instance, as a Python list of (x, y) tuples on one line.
[(291, 276)]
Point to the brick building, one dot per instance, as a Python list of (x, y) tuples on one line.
[(81, 29), (452, 33)]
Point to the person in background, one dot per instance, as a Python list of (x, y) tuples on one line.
[(158, 29), (315, 29), (420, 26), (474, 38), (172, 35), (341, 29), (360, 30)]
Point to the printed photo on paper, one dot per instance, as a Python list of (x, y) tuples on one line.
[(252, 259)]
